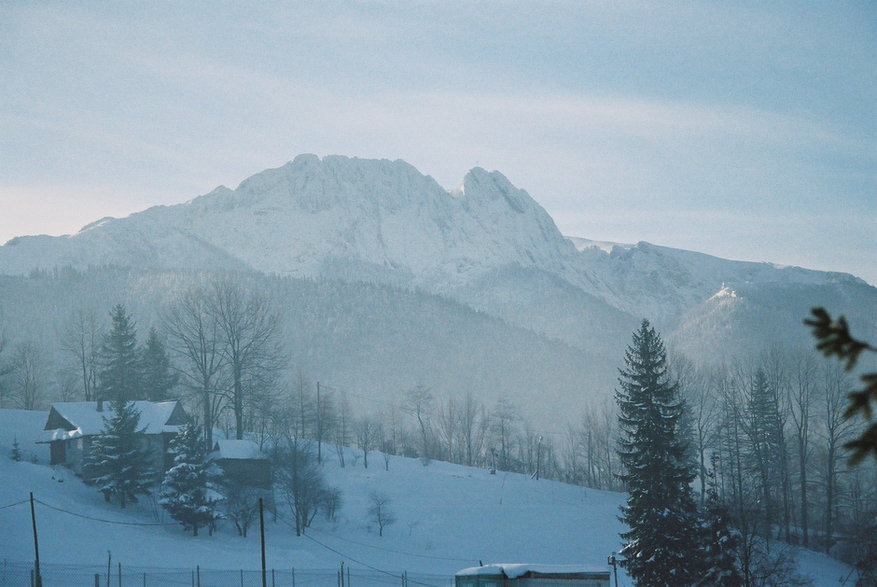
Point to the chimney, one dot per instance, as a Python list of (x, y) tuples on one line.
[(100, 404)]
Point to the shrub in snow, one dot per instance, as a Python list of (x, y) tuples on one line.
[(301, 482)]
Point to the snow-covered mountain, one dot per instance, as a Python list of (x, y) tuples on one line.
[(373, 219), (486, 244)]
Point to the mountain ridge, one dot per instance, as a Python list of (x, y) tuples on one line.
[(487, 244)]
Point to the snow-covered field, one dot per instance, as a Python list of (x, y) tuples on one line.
[(448, 517)]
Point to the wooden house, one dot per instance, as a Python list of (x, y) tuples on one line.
[(521, 575), (73, 427)]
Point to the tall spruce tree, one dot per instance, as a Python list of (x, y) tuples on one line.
[(118, 377), (187, 492), (157, 378), (764, 429), (116, 463), (661, 547)]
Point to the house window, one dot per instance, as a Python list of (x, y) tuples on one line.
[(78, 444)]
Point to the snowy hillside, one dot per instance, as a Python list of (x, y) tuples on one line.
[(448, 517)]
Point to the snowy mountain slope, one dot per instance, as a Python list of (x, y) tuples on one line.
[(149, 242), (662, 283), (448, 517), (746, 320), (305, 215), (487, 244)]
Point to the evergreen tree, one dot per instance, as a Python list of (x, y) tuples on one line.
[(118, 376), (116, 463), (720, 542), (764, 429), (157, 377), (186, 492), (661, 546), (16, 450)]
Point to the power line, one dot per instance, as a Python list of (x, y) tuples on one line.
[(348, 557), (441, 558), (117, 522), (12, 505), (376, 569)]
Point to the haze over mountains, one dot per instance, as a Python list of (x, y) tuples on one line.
[(473, 288)]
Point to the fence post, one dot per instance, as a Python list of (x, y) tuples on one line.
[(198, 575), (120, 575), (272, 578), (97, 580)]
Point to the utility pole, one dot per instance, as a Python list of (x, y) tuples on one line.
[(262, 534), (36, 545), (319, 427), (538, 457), (614, 564)]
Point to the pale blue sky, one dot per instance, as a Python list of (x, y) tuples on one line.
[(746, 130)]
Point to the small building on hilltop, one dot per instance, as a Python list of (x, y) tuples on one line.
[(73, 426), (242, 463), (524, 575)]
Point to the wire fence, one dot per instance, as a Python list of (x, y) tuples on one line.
[(22, 574)]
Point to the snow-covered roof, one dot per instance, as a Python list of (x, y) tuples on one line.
[(515, 570), (85, 420), (237, 449)]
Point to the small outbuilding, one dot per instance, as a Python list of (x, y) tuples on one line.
[(242, 463), (526, 575)]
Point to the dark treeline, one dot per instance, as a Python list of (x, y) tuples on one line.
[(365, 337)]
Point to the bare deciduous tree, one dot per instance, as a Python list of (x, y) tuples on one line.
[(801, 395), (418, 403), (194, 335), (28, 375), (342, 427), (366, 430), (250, 346), (473, 428), (82, 340), (448, 426), (301, 482), (5, 366), (504, 417), (835, 430), (379, 511)]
